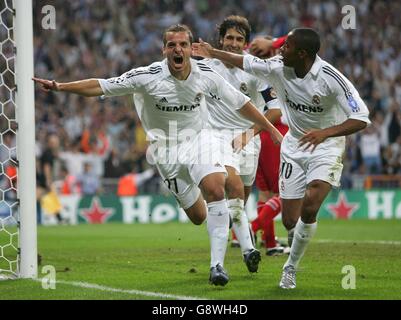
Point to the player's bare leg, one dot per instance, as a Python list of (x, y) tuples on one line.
[(197, 213), (235, 196), (212, 187), (316, 192), (291, 211), (305, 229)]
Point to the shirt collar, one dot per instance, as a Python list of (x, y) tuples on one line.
[(166, 70), (316, 66)]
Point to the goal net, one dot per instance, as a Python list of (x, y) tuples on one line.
[(8, 155), (17, 167)]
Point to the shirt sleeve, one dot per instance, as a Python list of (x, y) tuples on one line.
[(125, 84), (270, 98), (261, 85), (349, 100), (273, 104), (277, 43), (221, 90), (261, 68)]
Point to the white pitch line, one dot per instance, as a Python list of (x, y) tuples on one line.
[(95, 286), (385, 242)]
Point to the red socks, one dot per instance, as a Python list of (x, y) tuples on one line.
[(265, 220), (256, 223)]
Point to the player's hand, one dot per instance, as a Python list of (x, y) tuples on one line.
[(201, 49), (242, 140), (312, 139), (47, 85), (261, 47), (276, 136)]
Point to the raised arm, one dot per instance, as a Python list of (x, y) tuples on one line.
[(204, 49), (87, 87)]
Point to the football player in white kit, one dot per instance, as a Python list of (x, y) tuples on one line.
[(234, 35), (169, 96), (321, 107)]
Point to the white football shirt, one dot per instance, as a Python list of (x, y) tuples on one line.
[(169, 108), (222, 116), (323, 98)]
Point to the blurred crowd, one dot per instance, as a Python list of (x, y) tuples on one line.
[(104, 38)]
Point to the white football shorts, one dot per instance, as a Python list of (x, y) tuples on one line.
[(244, 162), (298, 168), (184, 165)]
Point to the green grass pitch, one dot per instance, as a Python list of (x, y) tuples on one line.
[(173, 259)]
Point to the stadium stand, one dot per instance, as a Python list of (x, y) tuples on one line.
[(108, 41)]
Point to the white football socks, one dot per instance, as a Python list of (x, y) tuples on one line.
[(291, 236), (240, 224), (302, 235), (218, 223)]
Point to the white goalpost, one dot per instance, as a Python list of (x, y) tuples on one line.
[(18, 234), (26, 139)]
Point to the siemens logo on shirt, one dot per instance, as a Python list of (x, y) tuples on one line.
[(177, 108), (302, 107)]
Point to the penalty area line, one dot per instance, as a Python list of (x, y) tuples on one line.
[(94, 286)]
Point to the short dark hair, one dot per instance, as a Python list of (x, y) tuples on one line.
[(239, 23), (307, 39), (178, 28)]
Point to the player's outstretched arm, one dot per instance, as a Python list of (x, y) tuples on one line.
[(315, 137), (87, 87), (204, 49)]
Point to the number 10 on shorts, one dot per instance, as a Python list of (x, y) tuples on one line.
[(286, 170)]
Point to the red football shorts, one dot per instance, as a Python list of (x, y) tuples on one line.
[(269, 161)]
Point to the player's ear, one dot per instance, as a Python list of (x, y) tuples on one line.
[(302, 54)]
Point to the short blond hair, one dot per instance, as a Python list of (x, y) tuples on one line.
[(178, 28)]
